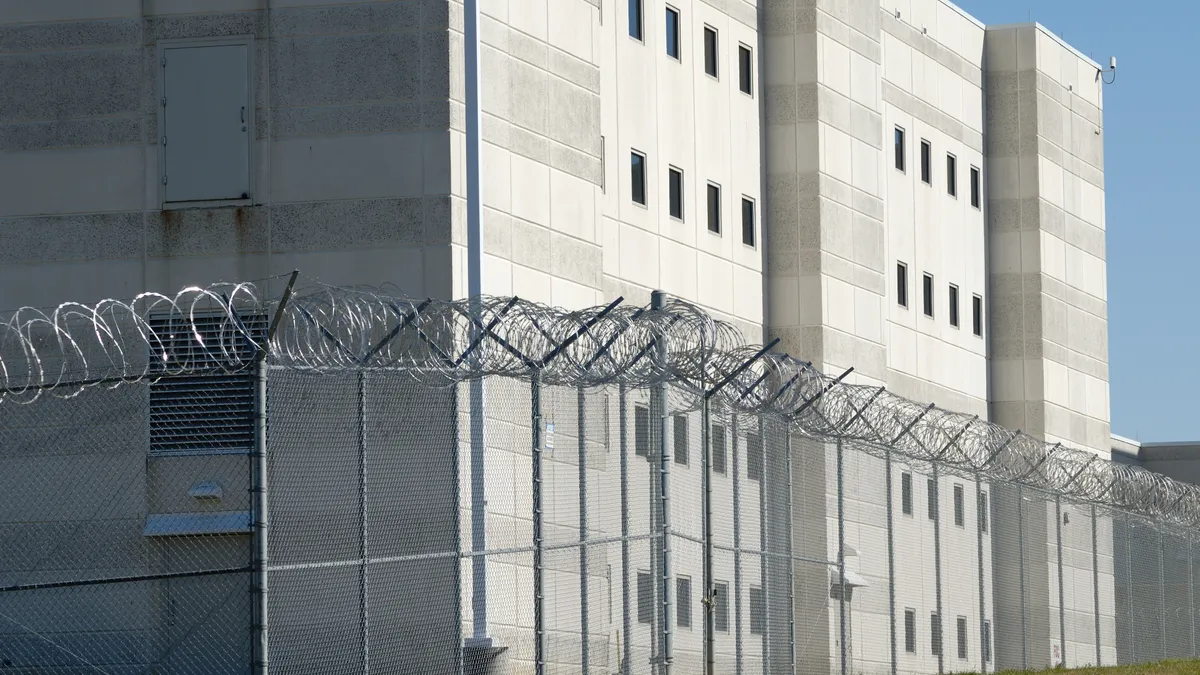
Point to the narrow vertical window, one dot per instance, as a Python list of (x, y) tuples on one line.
[(910, 631), (710, 51), (645, 598), (637, 174), (721, 606), (906, 500), (975, 187), (754, 457), (635, 19), (603, 167), (932, 491), (745, 70), (714, 208), (960, 512), (675, 187), (902, 284), (951, 175), (641, 431), (983, 512), (935, 634), (758, 611), (962, 637), (681, 439), (986, 641), (899, 148), (977, 315), (927, 294), (683, 602), (718, 448), (747, 221), (926, 162), (953, 305), (673, 33)]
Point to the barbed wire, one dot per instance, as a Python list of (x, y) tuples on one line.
[(324, 329)]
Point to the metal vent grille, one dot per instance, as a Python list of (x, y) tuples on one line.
[(211, 408)]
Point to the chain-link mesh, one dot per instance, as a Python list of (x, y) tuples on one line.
[(611, 492)]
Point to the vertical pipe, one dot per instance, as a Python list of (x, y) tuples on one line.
[(979, 524), (365, 627), (841, 556), (763, 571), (791, 554), (261, 521), (1062, 608), (937, 569), (539, 637), (706, 499), (583, 535), (626, 617), (1096, 582), (736, 595), (891, 563), (1021, 570), (658, 301)]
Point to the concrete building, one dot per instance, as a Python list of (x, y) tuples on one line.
[(886, 185)]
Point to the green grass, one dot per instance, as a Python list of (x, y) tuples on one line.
[(1171, 667)]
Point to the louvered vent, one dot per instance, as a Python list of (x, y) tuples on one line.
[(211, 409)]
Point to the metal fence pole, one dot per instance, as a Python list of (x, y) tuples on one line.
[(979, 525), (891, 563), (1096, 582), (261, 523), (937, 569), (626, 618), (1062, 608), (762, 546), (1162, 590), (791, 554), (1191, 596), (706, 498), (841, 556), (583, 534), (365, 627), (1021, 570), (1129, 574), (737, 548), (539, 637), (658, 302)]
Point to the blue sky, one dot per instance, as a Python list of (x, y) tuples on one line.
[(1152, 134)]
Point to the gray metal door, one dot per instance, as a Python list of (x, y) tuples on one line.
[(207, 112)]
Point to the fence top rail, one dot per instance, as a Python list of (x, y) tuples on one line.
[(221, 328)]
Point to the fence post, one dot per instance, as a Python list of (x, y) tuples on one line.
[(1129, 573), (535, 406), (362, 509), (626, 618), (1062, 608), (762, 546), (658, 302), (841, 556), (1021, 571), (261, 522), (937, 569), (980, 515), (1191, 596), (1162, 589), (737, 548), (1096, 582), (706, 498), (583, 534), (791, 554), (891, 562)]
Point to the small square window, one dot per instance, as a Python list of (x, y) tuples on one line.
[(902, 284), (718, 448), (635, 19), (975, 187), (637, 174), (714, 208), (745, 70), (977, 315), (983, 512), (951, 175), (710, 51), (673, 32), (747, 221), (898, 144), (906, 500), (683, 602), (926, 162), (721, 606), (932, 491), (927, 294), (675, 188), (681, 439), (960, 515), (910, 631), (641, 431), (953, 305)]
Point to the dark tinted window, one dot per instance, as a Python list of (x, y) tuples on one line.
[(758, 611), (983, 512), (926, 162), (902, 284), (960, 516), (672, 33), (898, 142), (954, 305), (635, 19), (681, 439), (932, 490), (962, 637), (641, 430), (935, 634), (683, 602), (645, 598), (747, 221), (637, 173), (721, 606), (754, 457), (977, 315), (952, 175), (745, 69), (710, 51), (718, 448), (927, 293), (675, 185), (910, 631), (906, 500), (975, 187), (714, 208)]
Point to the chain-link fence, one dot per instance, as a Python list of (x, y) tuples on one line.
[(345, 482)]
